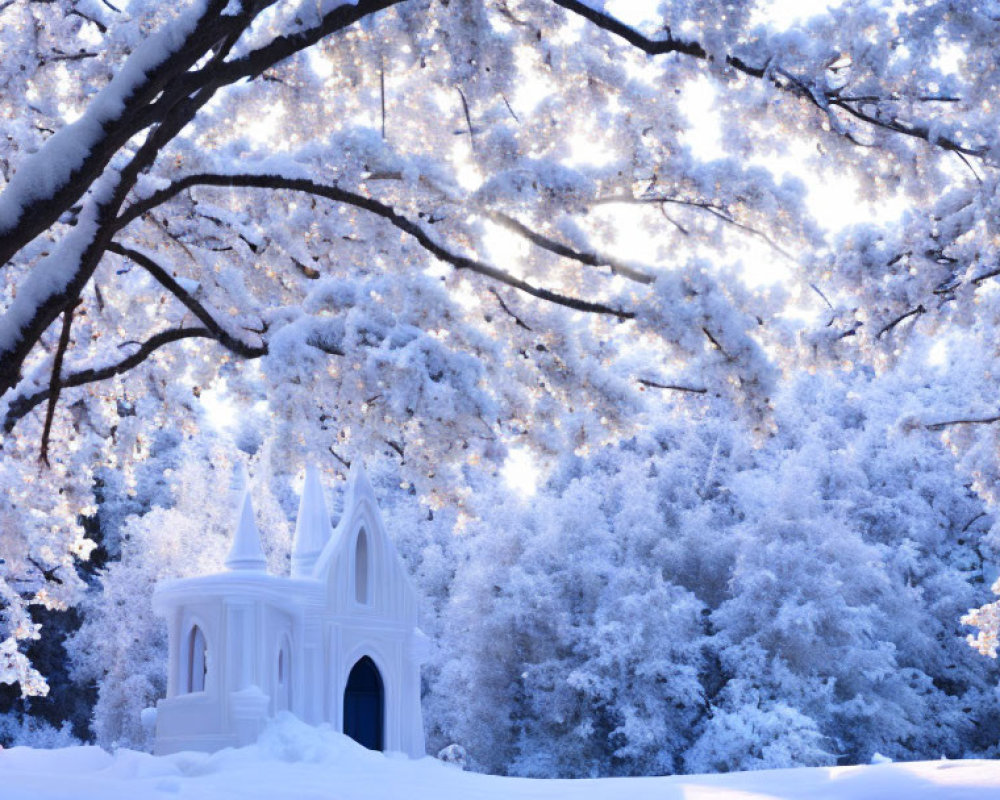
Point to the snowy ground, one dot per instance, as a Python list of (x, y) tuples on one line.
[(295, 761)]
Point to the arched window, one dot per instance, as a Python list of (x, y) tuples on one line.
[(197, 660), (361, 568), (283, 696)]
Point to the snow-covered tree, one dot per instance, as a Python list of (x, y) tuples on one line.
[(695, 600)]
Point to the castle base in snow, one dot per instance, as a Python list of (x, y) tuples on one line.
[(335, 642)]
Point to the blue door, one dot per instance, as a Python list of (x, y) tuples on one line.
[(364, 705)]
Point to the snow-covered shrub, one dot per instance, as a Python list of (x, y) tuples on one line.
[(21, 730), (755, 736)]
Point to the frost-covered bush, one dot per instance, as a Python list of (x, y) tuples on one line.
[(576, 625), (756, 736), (17, 730)]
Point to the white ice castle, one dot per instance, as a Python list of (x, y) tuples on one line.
[(335, 642)]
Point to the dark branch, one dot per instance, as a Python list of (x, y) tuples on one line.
[(674, 387), (823, 100), (20, 406), (506, 102), (590, 259), (167, 90), (937, 426), (545, 242), (165, 279), (278, 49), (717, 211), (825, 299), (913, 312), (54, 382), (138, 111), (468, 118), (517, 320), (970, 523), (653, 47), (341, 459), (715, 343), (986, 276), (397, 447), (408, 226)]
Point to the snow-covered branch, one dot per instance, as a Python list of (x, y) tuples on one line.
[(822, 98)]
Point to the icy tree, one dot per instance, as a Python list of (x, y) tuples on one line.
[(693, 600), (859, 549), (987, 619)]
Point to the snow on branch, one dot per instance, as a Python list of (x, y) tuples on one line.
[(823, 98), (506, 221), (252, 64), (155, 87), (49, 181)]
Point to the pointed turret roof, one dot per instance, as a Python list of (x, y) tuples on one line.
[(358, 484), (312, 528), (246, 552)]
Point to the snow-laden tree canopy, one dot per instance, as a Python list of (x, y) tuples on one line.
[(434, 228)]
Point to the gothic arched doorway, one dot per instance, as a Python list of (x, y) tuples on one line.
[(364, 705)]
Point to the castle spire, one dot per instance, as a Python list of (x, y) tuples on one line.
[(246, 552), (312, 528), (358, 484)]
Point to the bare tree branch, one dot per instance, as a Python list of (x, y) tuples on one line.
[(252, 64), (671, 386), (468, 118), (653, 47), (937, 426), (517, 320), (986, 276), (711, 208), (506, 102), (715, 343), (913, 312), (590, 259), (545, 242)]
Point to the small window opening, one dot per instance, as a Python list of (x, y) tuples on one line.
[(361, 568), (283, 696), (197, 660)]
